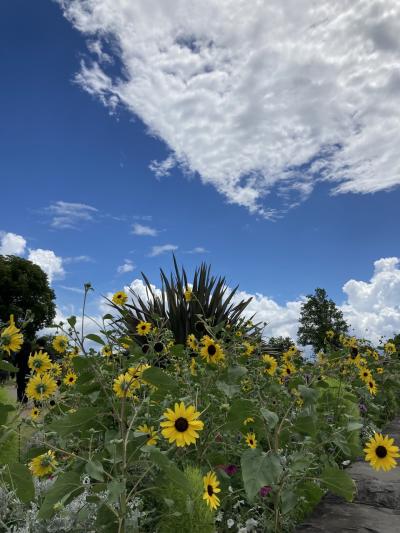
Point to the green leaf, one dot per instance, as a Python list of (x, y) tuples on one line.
[(95, 470), (289, 501), (95, 338), (66, 487), (270, 418), (159, 378), (82, 419), (338, 482), (309, 395), (8, 367), (239, 411), (20, 479), (305, 425), (107, 316), (258, 470), (228, 390), (71, 321), (170, 469), (4, 410), (178, 350), (354, 426), (106, 520)]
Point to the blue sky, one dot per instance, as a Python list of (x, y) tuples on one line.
[(59, 143)]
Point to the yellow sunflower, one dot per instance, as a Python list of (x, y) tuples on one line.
[(330, 334), (210, 350), (124, 385), (60, 343), (41, 387), (192, 342), (35, 412), (106, 351), (11, 338), (371, 384), (188, 294), (288, 370), (182, 425), (365, 375), (271, 364), (143, 328), (152, 436), (70, 379), (379, 370), (120, 298), (380, 452), (251, 440), (292, 350), (389, 347), (74, 352), (248, 420), (249, 348), (56, 369), (44, 464), (137, 372), (211, 489), (39, 362)]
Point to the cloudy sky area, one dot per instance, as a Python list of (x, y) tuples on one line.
[(263, 139)]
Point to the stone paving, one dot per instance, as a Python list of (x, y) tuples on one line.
[(376, 506)]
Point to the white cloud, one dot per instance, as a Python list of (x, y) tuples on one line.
[(158, 250), (49, 262), (69, 215), (78, 259), (77, 290), (127, 266), (139, 229), (12, 244), (276, 95), (197, 250)]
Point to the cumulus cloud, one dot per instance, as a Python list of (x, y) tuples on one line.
[(12, 244), (127, 266), (140, 229), (197, 250), (78, 259), (70, 215), (164, 248), (275, 96), (49, 262)]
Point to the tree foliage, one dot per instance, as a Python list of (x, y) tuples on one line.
[(24, 288), (318, 315)]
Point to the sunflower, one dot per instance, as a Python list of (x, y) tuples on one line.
[(70, 379), (137, 372), (193, 370), (365, 375), (211, 489), (143, 328), (379, 370), (249, 348), (271, 364), (287, 357), (39, 362), (248, 420), (74, 352), (380, 452), (292, 350), (56, 369), (35, 412), (211, 351), (192, 342), (152, 436), (11, 338), (188, 294), (124, 385), (60, 343), (251, 440), (390, 347), (371, 384), (44, 464), (120, 298), (182, 425), (330, 334), (41, 387), (106, 351), (288, 370)]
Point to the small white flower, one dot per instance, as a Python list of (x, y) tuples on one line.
[(251, 524), (346, 463), (230, 523), (219, 516)]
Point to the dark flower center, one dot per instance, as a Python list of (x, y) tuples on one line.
[(288, 371), (199, 326), (52, 403), (251, 441), (211, 350), (145, 348), (181, 424), (210, 490), (354, 353), (71, 379), (158, 347), (371, 385), (381, 452)]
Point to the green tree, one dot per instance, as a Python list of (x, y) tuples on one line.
[(319, 314), (281, 344), (24, 288)]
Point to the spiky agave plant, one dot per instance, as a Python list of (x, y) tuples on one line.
[(210, 304)]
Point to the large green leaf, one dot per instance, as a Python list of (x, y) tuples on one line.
[(82, 419), (8, 367), (159, 378), (270, 418), (66, 487), (239, 411), (339, 482), (305, 425), (169, 468), (20, 479), (258, 470)]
